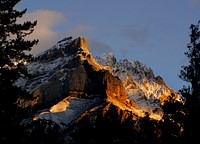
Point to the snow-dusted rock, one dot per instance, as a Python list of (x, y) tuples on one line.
[(67, 82), (142, 87)]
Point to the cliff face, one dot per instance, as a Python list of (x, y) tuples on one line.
[(78, 74), (141, 85), (67, 82)]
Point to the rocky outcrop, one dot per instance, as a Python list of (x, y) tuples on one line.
[(67, 69), (72, 90), (141, 85), (68, 82)]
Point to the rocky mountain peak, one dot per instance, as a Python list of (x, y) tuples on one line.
[(68, 82), (107, 59), (82, 43)]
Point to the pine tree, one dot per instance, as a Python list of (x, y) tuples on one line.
[(13, 57), (191, 94), (191, 73), (172, 122)]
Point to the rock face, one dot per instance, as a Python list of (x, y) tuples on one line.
[(73, 70), (67, 81), (141, 86)]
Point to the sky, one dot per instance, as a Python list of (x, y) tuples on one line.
[(154, 32)]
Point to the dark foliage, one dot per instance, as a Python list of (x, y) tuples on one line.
[(115, 127), (41, 132), (180, 123), (191, 94), (149, 131), (13, 56), (172, 123)]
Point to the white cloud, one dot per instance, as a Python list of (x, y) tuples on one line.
[(46, 21)]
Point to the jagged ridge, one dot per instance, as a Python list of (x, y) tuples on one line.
[(67, 82)]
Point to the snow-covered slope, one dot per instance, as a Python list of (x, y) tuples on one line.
[(67, 82), (146, 90)]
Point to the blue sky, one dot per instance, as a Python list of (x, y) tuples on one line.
[(154, 32)]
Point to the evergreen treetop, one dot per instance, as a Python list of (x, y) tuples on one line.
[(13, 45), (191, 95), (13, 58), (191, 73)]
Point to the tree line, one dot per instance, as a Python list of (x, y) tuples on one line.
[(180, 123)]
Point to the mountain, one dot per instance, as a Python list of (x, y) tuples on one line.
[(68, 84)]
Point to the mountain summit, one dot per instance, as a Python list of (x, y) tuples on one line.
[(68, 84)]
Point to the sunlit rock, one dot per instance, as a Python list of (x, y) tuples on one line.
[(67, 83)]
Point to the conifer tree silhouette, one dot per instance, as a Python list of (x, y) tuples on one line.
[(191, 94), (13, 57)]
